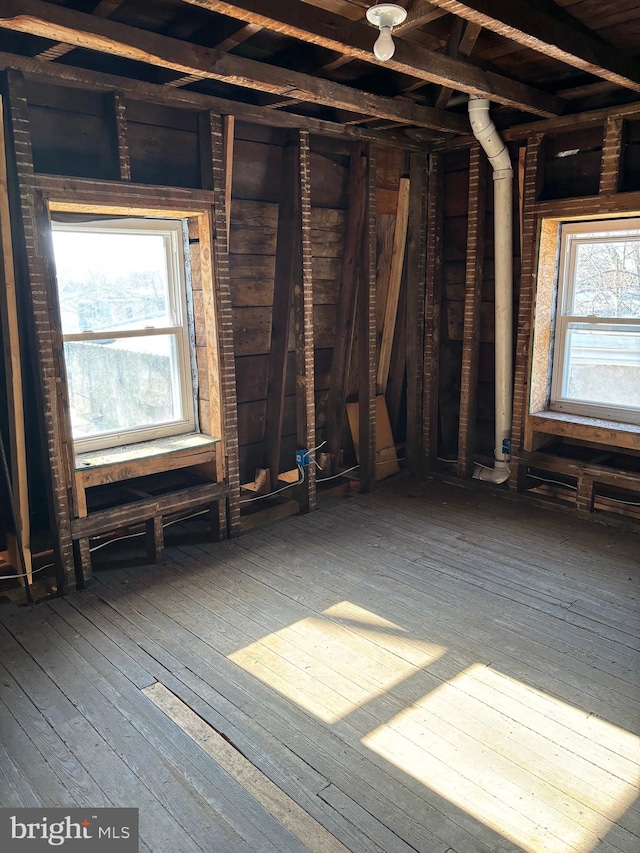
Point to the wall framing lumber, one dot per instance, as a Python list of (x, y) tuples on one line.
[(415, 304), (228, 125), (214, 391), (303, 329), (347, 299), (524, 330), (78, 195), (29, 221), (472, 301), (433, 310), (288, 274), (367, 334), (612, 148), (588, 207), (13, 369), (220, 260), (395, 280), (117, 119)]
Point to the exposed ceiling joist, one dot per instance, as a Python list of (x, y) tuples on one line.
[(540, 31), (103, 9), (139, 90), (355, 40), (461, 43), (419, 13), (86, 31)]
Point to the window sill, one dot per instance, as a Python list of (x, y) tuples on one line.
[(596, 430), (97, 467)]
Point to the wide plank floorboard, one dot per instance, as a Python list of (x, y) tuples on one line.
[(418, 669)]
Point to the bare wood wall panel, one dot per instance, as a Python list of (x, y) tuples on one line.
[(30, 235), (472, 304), (345, 325), (288, 271)]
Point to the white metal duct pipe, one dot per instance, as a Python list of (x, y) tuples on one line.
[(485, 132)]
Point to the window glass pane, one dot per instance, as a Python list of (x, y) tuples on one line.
[(603, 364), (122, 384), (111, 280), (607, 279)]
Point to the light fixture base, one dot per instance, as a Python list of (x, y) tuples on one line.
[(386, 15)]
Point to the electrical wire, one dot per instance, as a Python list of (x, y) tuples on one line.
[(569, 486), (555, 482), (142, 532), (26, 574), (335, 476)]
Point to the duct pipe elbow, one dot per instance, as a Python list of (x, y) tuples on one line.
[(485, 132), (491, 475)]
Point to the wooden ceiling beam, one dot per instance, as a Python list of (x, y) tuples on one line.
[(86, 31), (154, 93), (540, 31), (351, 38), (102, 10), (245, 32), (419, 13), (462, 41)]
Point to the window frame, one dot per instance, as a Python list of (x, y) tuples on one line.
[(173, 232), (569, 240)]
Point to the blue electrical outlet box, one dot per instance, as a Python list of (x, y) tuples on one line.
[(303, 457)]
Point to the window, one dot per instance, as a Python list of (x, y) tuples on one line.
[(596, 364), (122, 297)]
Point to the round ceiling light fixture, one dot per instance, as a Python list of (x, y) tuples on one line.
[(385, 16)]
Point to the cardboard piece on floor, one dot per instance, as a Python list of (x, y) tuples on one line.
[(386, 457)]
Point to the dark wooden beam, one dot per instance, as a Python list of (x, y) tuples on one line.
[(224, 318), (354, 39), (533, 169), (102, 10), (287, 275), (137, 90), (346, 317), (416, 271), (419, 13), (32, 240), (472, 303), (433, 311), (462, 41), (367, 332), (224, 46), (303, 330), (540, 31), (86, 31), (117, 120), (612, 151)]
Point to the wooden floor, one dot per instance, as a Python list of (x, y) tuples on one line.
[(427, 670)]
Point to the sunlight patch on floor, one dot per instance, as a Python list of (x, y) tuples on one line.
[(482, 743), (332, 664)]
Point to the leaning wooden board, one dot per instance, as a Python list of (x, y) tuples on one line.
[(386, 457)]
